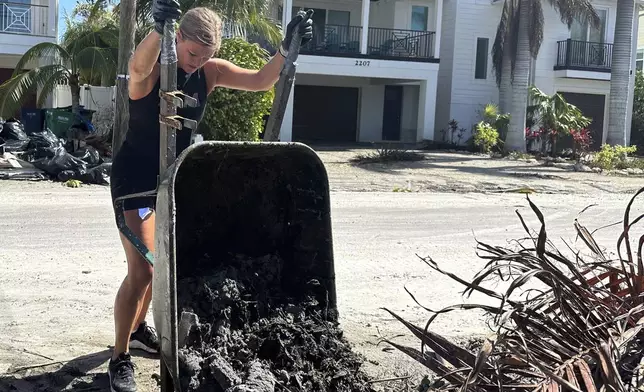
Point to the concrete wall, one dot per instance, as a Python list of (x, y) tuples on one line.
[(28, 25), (479, 18), (372, 99), (345, 66), (640, 32), (445, 71)]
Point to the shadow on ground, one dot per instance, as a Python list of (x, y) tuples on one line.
[(78, 374), (466, 164)]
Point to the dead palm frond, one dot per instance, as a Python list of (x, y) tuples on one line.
[(581, 331)]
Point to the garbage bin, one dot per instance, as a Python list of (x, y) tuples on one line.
[(59, 121), (33, 120)]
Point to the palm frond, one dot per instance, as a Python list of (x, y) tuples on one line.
[(55, 53), (97, 61), (583, 332), (580, 10), (535, 27), (15, 91), (501, 41)]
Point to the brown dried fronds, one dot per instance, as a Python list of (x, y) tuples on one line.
[(581, 332)]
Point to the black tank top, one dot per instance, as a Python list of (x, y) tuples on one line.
[(144, 131)]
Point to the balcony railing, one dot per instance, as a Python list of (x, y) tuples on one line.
[(338, 40), (400, 43), (584, 56), (23, 18)]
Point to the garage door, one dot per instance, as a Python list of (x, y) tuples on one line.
[(325, 114), (592, 106)]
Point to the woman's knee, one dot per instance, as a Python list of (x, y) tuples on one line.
[(139, 270)]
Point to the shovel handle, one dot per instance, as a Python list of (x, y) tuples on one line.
[(285, 84), (168, 82)]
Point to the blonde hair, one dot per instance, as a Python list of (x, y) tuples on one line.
[(202, 25)]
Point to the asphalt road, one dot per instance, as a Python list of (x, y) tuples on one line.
[(61, 262)]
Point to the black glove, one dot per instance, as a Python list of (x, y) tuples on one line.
[(305, 28), (163, 10)]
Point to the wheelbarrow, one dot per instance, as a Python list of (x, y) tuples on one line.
[(221, 198)]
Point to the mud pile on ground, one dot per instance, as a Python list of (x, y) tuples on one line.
[(250, 336)]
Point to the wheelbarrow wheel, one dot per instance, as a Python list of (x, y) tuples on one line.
[(166, 378)]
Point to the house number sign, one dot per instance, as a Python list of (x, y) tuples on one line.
[(362, 63)]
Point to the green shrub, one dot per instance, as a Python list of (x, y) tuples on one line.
[(485, 136), (233, 114), (613, 157)]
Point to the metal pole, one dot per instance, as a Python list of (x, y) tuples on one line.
[(168, 147), (283, 86)]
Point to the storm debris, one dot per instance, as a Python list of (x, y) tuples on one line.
[(247, 334)]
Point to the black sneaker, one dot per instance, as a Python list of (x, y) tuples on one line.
[(121, 372), (145, 338)]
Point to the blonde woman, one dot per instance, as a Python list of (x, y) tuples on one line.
[(136, 165)]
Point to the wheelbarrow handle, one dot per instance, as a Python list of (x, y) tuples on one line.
[(285, 84)]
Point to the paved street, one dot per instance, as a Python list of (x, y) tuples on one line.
[(61, 264)]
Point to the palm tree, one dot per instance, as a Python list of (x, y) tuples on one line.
[(518, 40), (93, 18), (242, 18), (620, 73), (71, 63)]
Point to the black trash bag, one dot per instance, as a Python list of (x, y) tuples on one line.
[(33, 154), (44, 139), (89, 155), (13, 130), (15, 145), (59, 162), (99, 175)]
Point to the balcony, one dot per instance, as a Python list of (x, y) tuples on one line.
[(24, 19), (386, 44), (584, 56)]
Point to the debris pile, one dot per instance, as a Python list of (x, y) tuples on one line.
[(240, 331), (42, 155), (566, 321)]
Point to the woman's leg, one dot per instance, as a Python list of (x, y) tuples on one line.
[(131, 302)]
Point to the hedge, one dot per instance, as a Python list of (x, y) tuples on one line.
[(234, 114)]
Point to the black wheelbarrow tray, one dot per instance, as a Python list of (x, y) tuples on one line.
[(251, 198)]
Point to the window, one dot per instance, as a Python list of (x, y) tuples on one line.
[(15, 18), (480, 71), (639, 59), (419, 15), (338, 18), (582, 31)]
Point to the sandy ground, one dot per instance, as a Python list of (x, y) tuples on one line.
[(463, 172), (61, 261)]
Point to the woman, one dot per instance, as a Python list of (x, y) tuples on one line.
[(136, 165)]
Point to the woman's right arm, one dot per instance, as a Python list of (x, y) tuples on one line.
[(144, 58)]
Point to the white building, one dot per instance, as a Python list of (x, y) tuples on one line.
[(575, 62), (369, 74), (23, 24)]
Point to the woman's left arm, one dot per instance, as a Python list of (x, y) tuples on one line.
[(223, 73)]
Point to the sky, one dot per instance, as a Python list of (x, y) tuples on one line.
[(64, 6)]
